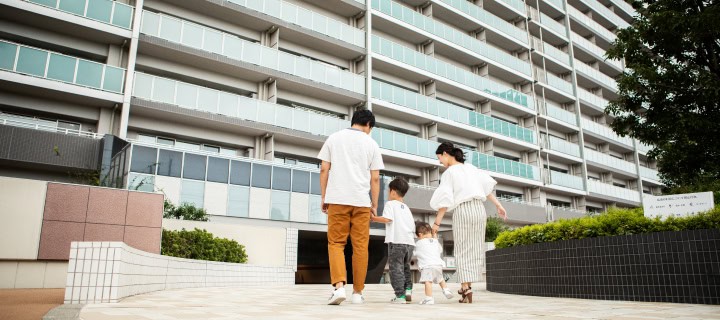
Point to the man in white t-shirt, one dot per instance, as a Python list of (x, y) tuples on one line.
[(350, 187)]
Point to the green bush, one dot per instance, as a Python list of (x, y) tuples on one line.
[(494, 227), (614, 222), (201, 245), (186, 211)]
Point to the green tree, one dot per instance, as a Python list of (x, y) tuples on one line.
[(185, 211), (199, 244), (670, 93)]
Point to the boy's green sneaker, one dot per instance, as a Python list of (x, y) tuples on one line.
[(398, 300)]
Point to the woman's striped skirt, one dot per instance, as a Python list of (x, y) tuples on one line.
[(468, 225)]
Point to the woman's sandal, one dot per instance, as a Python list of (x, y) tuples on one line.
[(466, 295)]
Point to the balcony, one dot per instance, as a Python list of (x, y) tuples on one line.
[(610, 161), (560, 145), (50, 65), (606, 132), (593, 49), (404, 143), (483, 50), (592, 99), (518, 5), (643, 148), (609, 190), (307, 19), (439, 68), (595, 75), (560, 84), (106, 11), (648, 173), (504, 166), (194, 97), (565, 180), (487, 19), (606, 13), (555, 53), (591, 24), (561, 114), (211, 40), (559, 4), (553, 25), (624, 6), (427, 105)]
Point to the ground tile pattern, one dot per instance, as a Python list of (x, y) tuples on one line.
[(308, 302)]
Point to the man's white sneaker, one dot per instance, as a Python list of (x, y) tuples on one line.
[(448, 294), (338, 296), (408, 295), (398, 300), (358, 298), (428, 300)]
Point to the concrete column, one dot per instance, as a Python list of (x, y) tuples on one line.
[(431, 176), (486, 146), (426, 10), (264, 147), (267, 90), (479, 34), (105, 125), (607, 177), (271, 37), (481, 69), (429, 131), (536, 194), (604, 147), (531, 157), (483, 107), (579, 203), (115, 55), (130, 71), (429, 89), (478, 3), (427, 47)]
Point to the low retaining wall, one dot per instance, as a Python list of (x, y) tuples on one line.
[(678, 266), (109, 271)]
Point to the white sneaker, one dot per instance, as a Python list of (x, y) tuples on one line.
[(338, 296), (448, 294), (428, 300), (357, 298), (398, 300), (408, 295)]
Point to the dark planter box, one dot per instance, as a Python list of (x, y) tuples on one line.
[(676, 266)]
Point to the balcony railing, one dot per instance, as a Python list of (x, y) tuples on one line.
[(561, 145), (593, 99), (558, 4), (518, 5), (595, 74), (211, 40), (501, 165), (560, 84), (194, 97), (610, 161), (624, 6), (107, 11), (451, 34), (593, 48), (556, 53), (54, 66), (591, 24), (561, 114), (613, 191), (604, 11), (566, 180), (605, 131), (425, 104), (553, 25), (648, 173), (643, 148), (448, 71), (38, 125), (488, 18), (404, 143), (307, 19)]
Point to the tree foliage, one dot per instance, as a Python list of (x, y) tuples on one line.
[(185, 211), (670, 93), (201, 245)]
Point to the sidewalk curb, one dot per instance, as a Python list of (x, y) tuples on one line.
[(64, 312)]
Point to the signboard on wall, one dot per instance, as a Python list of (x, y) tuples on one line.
[(677, 205)]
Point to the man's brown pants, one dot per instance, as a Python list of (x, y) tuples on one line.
[(353, 221)]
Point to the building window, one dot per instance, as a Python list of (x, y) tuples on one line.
[(301, 181), (261, 175), (507, 156), (280, 205), (560, 204), (68, 125), (315, 183), (169, 163), (143, 160), (209, 148), (281, 179), (238, 201), (619, 185), (315, 211), (593, 209), (509, 196), (193, 192), (166, 141), (140, 182), (240, 173), (218, 170), (194, 166), (144, 138), (187, 145)]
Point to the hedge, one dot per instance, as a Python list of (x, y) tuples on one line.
[(614, 222), (201, 245)]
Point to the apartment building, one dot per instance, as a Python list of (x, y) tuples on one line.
[(225, 103)]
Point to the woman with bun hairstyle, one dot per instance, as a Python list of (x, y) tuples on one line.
[(462, 190)]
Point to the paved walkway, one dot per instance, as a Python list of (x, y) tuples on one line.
[(308, 302), (28, 304)]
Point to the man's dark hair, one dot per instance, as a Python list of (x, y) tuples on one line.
[(400, 186), (422, 228), (363, 117)]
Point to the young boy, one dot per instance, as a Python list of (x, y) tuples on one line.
[(430, 263), (400, 237)]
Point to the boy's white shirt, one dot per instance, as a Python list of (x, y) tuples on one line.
[(402, 228), (429, 253)]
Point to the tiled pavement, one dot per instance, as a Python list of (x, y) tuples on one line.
[(308, 302)]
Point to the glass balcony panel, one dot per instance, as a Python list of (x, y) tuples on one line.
[(143, 86), (170, 29), (248, 109), (100, 10), (164, 90), (61, 68), (227, 104), (32, 61), (73, 6), (566, 180), (114, 78), (122, 15), (301, 120), (187, 95), (49, 3), (213, 41), (150, 23), (208, 100), (266, 113), (232, 47), (89, 74), (283, 117), (192, 35), (251, 54), (318, 126), (8, 52)]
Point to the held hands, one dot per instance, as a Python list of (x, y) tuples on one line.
[(501, 212)]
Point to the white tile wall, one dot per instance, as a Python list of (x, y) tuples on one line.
[(170, 187), (260, 203), (291, 248), (299, 205), (109, 271), (216, 195)]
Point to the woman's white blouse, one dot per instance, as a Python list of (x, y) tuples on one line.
[(461, 183)]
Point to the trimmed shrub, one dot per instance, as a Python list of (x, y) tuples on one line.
[(494, 227), (185, 211), (615, 222), (201, 245)]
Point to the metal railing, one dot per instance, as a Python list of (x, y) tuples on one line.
[(605, 131), (591, 24), (648, 173), (607, 13), (561, 145), (405, 143), (54, 66), (560, 84), (400, 53), (561, 114), (593, 99), (486, 18), (594, 49), (608, 160), (22, 123), (595, 74), (111, 12), (211, 40), (556, 53), (308, 19), (553, 25), (565, 180)]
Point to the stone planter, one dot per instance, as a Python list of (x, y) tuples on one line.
[(679, 266)]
